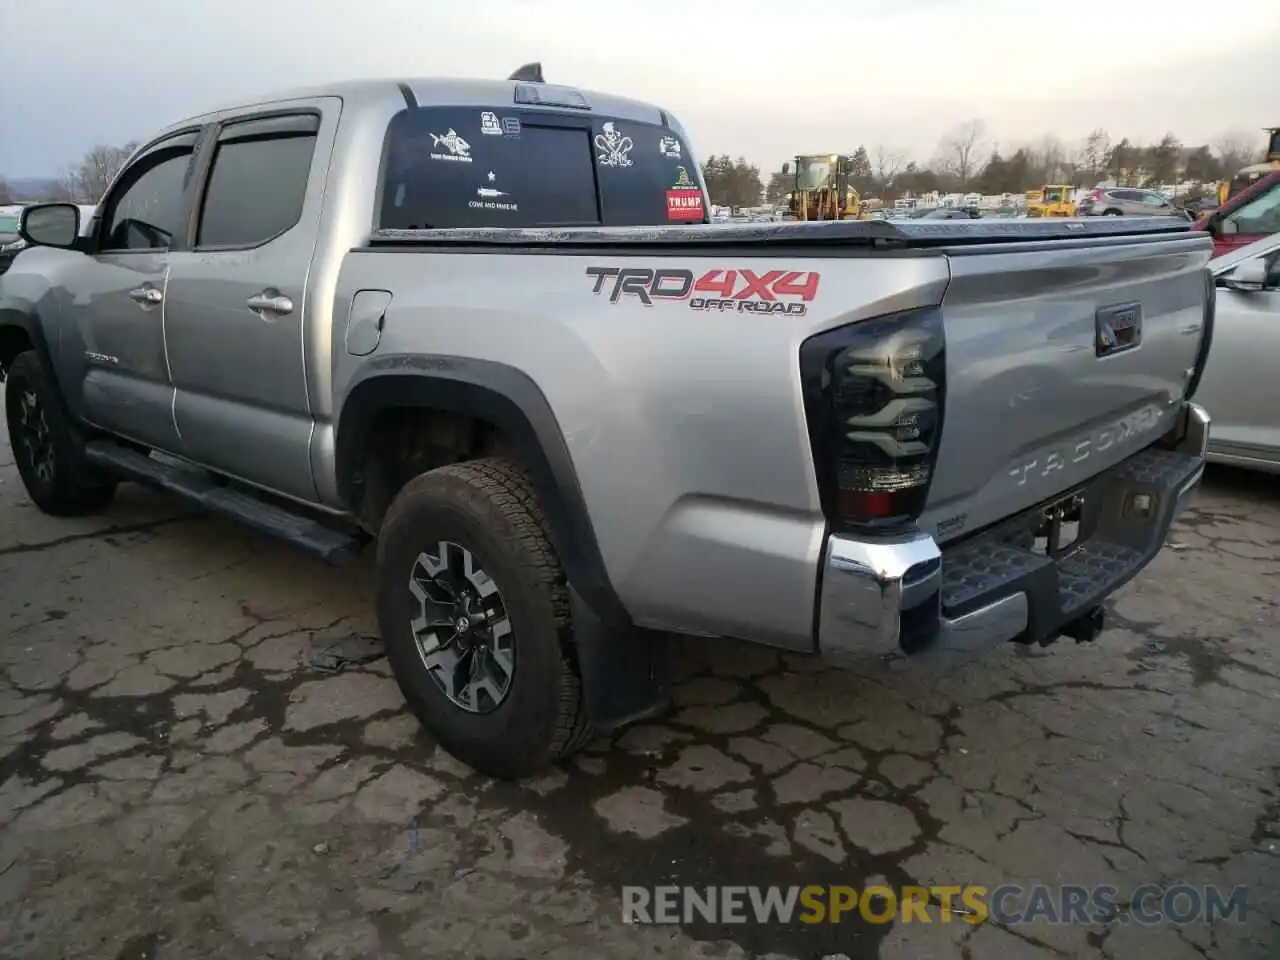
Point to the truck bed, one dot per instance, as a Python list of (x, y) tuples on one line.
[(1033, 409)]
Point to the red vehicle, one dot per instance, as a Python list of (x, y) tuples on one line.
[(1250, 215)]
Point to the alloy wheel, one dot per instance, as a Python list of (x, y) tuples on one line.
[(461, 629), (33, 435)]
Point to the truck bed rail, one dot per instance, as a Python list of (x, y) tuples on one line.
[(874, 234)]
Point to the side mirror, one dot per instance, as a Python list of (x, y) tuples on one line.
[(51, 225), (1214, 224), (786, 168), (1248, 277)]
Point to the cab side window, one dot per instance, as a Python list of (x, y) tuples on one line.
[(148, 210), (258, 182)]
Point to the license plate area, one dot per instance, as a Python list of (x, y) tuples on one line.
[(1059, 526), (1118, 328)]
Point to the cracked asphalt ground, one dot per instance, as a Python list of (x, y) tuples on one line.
[(177, 782)]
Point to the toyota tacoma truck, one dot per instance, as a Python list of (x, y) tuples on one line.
[(489, 324)]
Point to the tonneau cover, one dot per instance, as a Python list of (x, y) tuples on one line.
[(876, 233)]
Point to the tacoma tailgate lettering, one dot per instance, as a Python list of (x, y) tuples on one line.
[(1140, 421)]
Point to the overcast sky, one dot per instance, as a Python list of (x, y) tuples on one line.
[(764, 78)]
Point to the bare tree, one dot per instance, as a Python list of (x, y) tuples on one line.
[(888, 162), (960, 152), (1051, 157), (1093, 152), (95, 171), (1237, 148)]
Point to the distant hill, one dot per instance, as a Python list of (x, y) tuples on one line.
[(31, 188)]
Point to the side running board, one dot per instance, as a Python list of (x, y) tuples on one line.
[(191, 483)]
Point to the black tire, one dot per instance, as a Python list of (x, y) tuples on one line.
[(1112, 212), (47, 449), (488, 508)]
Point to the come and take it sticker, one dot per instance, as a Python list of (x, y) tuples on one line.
[(684, 199)]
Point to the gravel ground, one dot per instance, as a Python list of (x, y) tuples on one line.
[(178, 781)]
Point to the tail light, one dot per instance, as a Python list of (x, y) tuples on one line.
[(1096, 196), (874, 397)]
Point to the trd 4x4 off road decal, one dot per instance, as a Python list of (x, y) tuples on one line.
[(786, 292)]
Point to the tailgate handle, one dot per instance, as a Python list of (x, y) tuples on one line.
[(1117, 328)]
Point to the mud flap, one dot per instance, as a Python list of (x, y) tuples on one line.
[(626, 671)]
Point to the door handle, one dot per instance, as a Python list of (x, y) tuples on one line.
[(147, 296), (266, 303)]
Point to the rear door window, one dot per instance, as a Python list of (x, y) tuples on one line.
[(456, 167), (258, 183)]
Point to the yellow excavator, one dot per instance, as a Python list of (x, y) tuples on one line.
[(821, 190)]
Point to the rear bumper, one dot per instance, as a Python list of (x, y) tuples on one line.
[(889, 597)]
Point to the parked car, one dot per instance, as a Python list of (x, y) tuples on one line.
[(952, 213), (1127, 202), (10, 240), (1201, 207), (1249, 216), (1240, 388), (487, 322)]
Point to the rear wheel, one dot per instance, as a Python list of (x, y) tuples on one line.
[(47, 449), (1112, 212), (473, 609)]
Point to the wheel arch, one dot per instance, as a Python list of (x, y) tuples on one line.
[(19, 332), (512, 402), (21, 329)]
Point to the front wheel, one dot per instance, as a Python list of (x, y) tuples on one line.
[(474, 613), (47, 449)]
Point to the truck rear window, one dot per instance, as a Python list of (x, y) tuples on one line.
[(511, 167)]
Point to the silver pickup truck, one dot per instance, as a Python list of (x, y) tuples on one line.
[(490, 323)]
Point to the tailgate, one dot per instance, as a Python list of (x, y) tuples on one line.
[(1062, 359)]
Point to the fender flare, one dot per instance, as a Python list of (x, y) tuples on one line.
[(14, 317), (510, 400), (28, 321)]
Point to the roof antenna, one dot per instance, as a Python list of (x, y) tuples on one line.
[(529, 73)]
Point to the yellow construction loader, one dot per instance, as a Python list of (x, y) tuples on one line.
[(1051, 200), (821, 190), (1254, 172)]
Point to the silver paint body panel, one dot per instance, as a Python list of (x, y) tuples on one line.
[(686, 429)]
